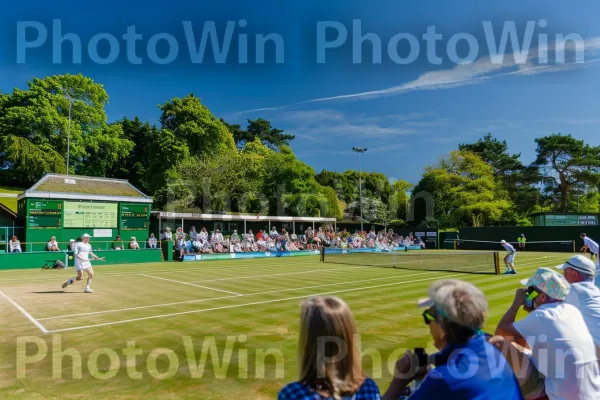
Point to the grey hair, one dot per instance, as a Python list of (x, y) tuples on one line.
[(459, 302)]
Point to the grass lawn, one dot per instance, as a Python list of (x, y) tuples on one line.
[(243, 309)]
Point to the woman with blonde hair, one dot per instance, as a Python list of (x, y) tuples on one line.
[(329, 359)]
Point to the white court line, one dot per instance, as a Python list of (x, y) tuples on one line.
[(246, 304), (25, 313), (191, 284), (225, 297), (229, 297), (268, 275)]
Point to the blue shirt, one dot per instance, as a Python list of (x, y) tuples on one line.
[(475, 371), (299, 391)]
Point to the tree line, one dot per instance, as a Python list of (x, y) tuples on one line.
[(193, 161)]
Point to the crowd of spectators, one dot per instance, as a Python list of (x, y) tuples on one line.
[(202, 242)]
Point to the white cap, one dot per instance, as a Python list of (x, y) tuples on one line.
[(85, 235), (72, 240), (503, 241), (581, 264)]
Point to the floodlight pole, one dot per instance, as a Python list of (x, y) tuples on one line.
[(360, 150)]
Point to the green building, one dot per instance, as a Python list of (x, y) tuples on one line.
[(67, 206)]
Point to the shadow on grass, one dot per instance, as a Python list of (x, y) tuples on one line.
[(53, 292)]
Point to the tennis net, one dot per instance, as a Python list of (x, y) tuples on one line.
[(562, 246), (475, 262)]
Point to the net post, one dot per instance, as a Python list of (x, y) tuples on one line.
[(574, 248), (454, 241), (497, 262), (322, 257)]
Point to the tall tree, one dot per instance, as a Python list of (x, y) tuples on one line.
[(34, 126), (192, 122), (569, 161), (262, 130)]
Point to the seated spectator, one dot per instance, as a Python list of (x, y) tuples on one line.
[(323, 376), (181, 246), (168, 234), (117, 244), (203, 235), (14, 246), (179, 233), (52, 244), (133, 244), (551, 350), (193, 234), (72, 243), (152, 242), (584, 295), (273, 231), (467, 367), (162, 234)]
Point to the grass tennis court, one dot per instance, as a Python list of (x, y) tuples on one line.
[(175, 312)]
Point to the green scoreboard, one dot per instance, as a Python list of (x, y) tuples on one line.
[(135, 217), (571, 219), (45, 214)]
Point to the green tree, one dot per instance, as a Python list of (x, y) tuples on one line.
[(262, 130), (34, 125), (194, 124), (570, 161), (464, 191)]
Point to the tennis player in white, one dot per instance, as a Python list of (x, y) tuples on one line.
[(82, 253), (510, 257), (592, 246)]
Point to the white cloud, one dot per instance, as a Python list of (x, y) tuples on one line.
[(471, 73)]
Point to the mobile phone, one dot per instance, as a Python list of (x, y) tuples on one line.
[(530, 297), (421, 356)]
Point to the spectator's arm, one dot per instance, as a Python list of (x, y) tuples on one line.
[(506, 326)]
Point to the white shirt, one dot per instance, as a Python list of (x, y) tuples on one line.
[(563, 351), (509, 247), (585, 296), (82, 252), (15, 245), (592, 245)]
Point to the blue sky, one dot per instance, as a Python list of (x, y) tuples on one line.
[(407, 115)]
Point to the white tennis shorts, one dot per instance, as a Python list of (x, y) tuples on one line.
[(82, 265), (510, 258)]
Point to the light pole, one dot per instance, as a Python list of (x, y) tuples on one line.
[(360, 150), (68, 96)]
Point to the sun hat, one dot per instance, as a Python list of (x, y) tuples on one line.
[(581, 264), (550, 282)]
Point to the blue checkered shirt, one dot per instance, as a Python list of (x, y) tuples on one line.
[(299, 391)]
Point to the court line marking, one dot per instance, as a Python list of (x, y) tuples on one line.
[(245, 304), (191, 284), (229, 297), (226, 297), (25, 313), (269, 275)]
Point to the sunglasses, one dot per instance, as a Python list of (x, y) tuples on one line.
[(428, 317)]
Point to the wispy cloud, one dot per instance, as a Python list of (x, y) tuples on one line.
[(471, 73)]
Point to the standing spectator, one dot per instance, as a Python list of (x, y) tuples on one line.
[(584, 295), (168, 234), (551, 350), (259, 235), (522, 240), (273, 232), (14, 246), (133, 244), (52, 244), (117, 244), (467, 367), (592, 246), (152, 242), (162, 234), (323, 375), (181, 246)]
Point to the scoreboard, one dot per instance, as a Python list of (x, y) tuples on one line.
[(134, 217), (571, 220), (90, 215), (45, 214)]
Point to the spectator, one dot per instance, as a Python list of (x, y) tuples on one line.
[(522, 240), (203, 236), (52, 244), (133, 244), (584, 295), (181, 246), (455, 314), (551, 350), (14, 246), (193, 234), (168, 234), (117, 244), (259, 235), (72, 244), (323, 376), (273, 231), (179, 233), (152, 242), (162, 235)]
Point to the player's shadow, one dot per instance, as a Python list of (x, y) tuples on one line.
[(52, 292)]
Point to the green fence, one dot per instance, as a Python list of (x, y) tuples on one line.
[(38, 259)]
